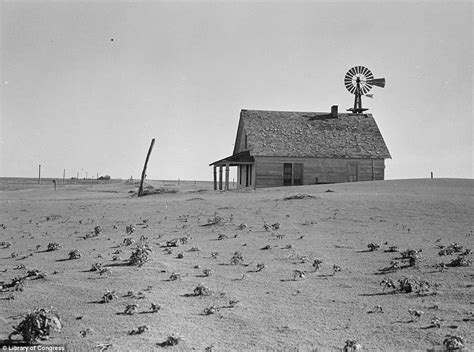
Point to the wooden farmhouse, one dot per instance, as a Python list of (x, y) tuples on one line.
[(284, 148)]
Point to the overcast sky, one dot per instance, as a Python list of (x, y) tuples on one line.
[(85, 86)]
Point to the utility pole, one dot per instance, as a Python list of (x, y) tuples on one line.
[(39, 174), (64, 175), (140, 190)]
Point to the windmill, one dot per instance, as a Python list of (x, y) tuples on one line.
[(359, 81)]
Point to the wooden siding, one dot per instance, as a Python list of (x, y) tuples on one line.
[(269, 170)]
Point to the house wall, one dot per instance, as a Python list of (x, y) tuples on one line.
[(269, 170), (242, 180)]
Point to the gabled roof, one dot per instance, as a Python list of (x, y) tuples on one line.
[(310, 134)]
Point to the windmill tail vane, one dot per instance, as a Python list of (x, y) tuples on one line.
[(359, 81)]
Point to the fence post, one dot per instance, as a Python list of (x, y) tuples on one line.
[(140, 189)]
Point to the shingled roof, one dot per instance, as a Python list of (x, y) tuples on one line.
[(310, 134)]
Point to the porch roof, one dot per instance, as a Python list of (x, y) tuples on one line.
[(241, 158)]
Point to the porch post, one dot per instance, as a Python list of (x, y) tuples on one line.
[(227, 176), (215, 178), (220, 178)]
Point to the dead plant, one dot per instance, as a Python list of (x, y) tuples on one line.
[(242, 226), (316, 264), (210, 310), (172, 340), (74, 254), (237, 259), (175, 276), (436, 322), (140, 255), (202, 290), (109, 296), (131, 309), (5, 245), (387, 283), (35, 273), (415, 314), (412, 255), (140, 330), (207, 272), (453, 342), (352, 346), (37, 325), (216, 220), (98, 230), (298, 274), (336, 269), (461, 260), (373, 246), (127, 241), (130, 229), (392, 249), (155, 307), (53, 246), (377, 309)]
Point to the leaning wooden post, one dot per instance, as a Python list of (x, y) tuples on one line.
[(140, 190)]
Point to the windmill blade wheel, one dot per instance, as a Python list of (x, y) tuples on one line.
[(365, 77)]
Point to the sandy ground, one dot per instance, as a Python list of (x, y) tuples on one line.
[(275, 312)]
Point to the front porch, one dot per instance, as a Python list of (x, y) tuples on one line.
[(244, 161)]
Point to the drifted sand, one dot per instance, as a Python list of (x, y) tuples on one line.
[(274, 313)]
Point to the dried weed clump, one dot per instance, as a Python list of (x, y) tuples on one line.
[(201, 290), (140, 330), (172, 340), (74, 254), (37, 325), (140, 255), (109, 296), (5, 245), (130, 229), (461, 260), (237, 259), (316, 264), (53, 246), (453, 342), (373, 246), (131, 309), (352, 346), (155, 308), (128, 241)]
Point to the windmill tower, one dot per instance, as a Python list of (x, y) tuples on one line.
[(359, 81)]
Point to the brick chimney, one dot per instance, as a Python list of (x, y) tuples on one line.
[(334, 112)]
